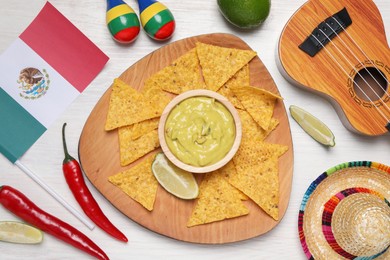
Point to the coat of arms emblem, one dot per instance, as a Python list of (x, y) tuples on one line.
[(33, 83)]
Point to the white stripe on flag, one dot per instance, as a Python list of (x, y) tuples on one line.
[(42, 91)]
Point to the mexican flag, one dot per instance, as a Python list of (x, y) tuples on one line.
[(42, 73)]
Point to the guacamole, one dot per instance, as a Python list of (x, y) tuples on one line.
[(200, 131)]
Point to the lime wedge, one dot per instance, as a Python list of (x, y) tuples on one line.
[(18, 232), (313, 126), (176, 181)]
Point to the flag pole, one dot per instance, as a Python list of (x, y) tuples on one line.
[(38, 180)]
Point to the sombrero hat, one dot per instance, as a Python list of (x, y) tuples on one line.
[(345, 213)]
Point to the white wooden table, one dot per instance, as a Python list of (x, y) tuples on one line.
[(193, 18)]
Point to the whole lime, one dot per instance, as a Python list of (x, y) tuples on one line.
[(246, 14)]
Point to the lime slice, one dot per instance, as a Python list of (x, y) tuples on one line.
[(176, 181), (18, 232), (313, 126)]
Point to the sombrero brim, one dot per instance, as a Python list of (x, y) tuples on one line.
[(316, 237)]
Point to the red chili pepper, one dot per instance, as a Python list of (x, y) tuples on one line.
[(21, 206), (76, 183)]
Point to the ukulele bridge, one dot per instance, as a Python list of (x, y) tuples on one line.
[(326, 31), (388, 126)]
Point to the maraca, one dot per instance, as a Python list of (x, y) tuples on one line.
[(156, 19), (122, 21)]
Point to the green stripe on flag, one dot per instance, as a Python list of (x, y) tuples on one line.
[(117, 24), (153, 25), (19, 129)]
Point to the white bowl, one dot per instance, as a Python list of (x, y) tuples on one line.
[(196, 93)]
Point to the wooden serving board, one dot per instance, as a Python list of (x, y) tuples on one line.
[(99, 157)]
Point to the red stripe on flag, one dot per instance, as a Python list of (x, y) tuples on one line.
[(53, 37)]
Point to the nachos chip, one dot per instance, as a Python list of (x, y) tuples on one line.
[(131, 150), (219, 64), (217, 200), (180, 76), (127, 106), (260, 182), (241, 78), (121, 99), (138, 182), (253, 152), (251, 130), (256, 163), (139, 129), (258, 102), (228, 170)]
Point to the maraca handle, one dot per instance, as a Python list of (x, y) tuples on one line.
[(143, 4), (112, 3)]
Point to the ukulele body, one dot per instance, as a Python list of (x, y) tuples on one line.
[(362, 102)]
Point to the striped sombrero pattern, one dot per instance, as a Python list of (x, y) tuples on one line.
[(345, 213)]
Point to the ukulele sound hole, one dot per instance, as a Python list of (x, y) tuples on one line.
[(370, 84)]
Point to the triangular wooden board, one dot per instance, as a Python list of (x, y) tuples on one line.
[(99, 157)]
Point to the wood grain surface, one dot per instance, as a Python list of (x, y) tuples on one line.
[(99, 157), (334, 70)]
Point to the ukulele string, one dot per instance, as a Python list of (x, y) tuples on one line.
[(357, 72), (330, 54), (361, 50)]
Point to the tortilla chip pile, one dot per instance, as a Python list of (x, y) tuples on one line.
[(253, 172)]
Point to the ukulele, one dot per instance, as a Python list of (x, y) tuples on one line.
[(338, 49)]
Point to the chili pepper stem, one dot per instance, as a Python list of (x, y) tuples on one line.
[(68, 157)]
